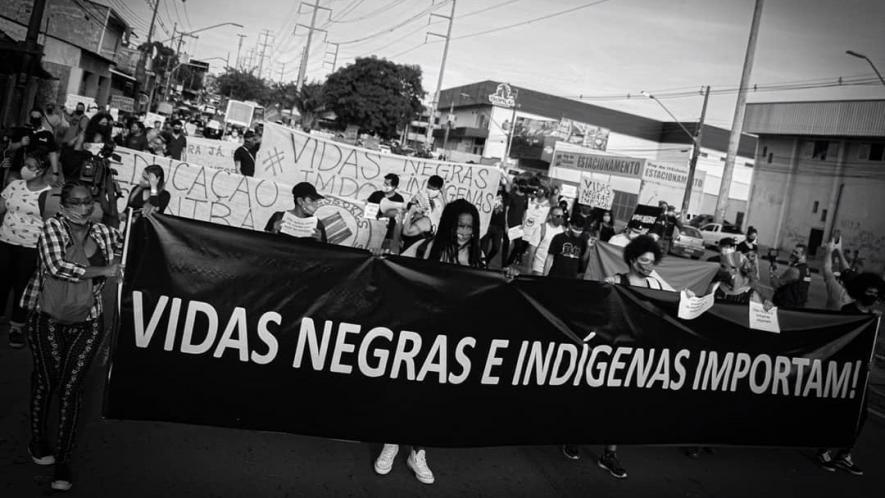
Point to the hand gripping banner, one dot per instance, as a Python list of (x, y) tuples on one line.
[(235, 328)]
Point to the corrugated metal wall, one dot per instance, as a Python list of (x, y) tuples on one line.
[(856, 118)]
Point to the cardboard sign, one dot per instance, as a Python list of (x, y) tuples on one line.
[(289, 156), (239, 113), (595, 193), (151, 118)]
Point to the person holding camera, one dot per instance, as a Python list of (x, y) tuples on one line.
[(19, 231), (149, 196), (791, 287), (65, 324)]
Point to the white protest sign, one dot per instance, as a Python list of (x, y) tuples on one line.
[(515, 233), (212, 153), (764, 320), (289, 156), (151, 118), (371, 211), (73, 99), (691, 307), (595, 193), (218, 196), (298, 227), (666, 182)]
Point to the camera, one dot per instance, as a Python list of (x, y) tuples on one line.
[(772, 258)]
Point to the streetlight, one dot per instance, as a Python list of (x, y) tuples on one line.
[(696, 145), (864, 57)]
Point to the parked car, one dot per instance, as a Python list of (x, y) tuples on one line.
[(714, 232), (687, 242), (700, 220)]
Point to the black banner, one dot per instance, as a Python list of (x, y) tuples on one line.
[(234, 328)]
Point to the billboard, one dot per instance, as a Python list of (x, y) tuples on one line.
[(537, 138), (630, 167)]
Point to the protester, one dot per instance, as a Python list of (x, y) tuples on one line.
[(539, 244), (633, 230), (176, 142), (43, 138), (418, 222), (78, 121), (56, 122), (98, 131), (149, 196), (456, 242), (155, 131), (665, 225), (642, 255), (137, 139), (388, 191), (305, 196), (244, 156), (837, 296), (736, 282), (565, 257), (493, 240), (534, 217), (64, 297), (749, 245), (606, 227), (517, 205), (157, 146), (791, 287), (437, 198), (19, 231)]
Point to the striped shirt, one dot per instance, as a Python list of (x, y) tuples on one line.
[(55, 239)]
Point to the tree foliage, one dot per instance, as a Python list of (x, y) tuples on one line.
[(163, 57), (375, 94), (310, 102), (242, 85)]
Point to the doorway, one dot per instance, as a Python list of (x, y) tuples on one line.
[(815, 239)]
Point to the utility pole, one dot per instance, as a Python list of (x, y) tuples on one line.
[(442, 70), (334, 56), (141, 68), (240, 47), (302, 69), (264, 45), (695, 152), (738, 124), (282, 71)]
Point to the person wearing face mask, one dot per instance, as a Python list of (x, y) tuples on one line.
[(565, 256), (176, 142), (456, 242), (606, 227), (77, 127), (492, 241), (534, 216), (388, 191), (437, 199), (750, 244), (633, 230), (791, 287), (642, 256), (43, 138), (244, 156), (137, 139), (99, 130), (19, 231), (539, 243), (65, 324), (305, 196), (56, 122), (149, 196)]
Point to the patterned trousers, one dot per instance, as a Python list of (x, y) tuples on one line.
[(62, 355)]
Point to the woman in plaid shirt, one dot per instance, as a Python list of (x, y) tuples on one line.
[(62, 351)]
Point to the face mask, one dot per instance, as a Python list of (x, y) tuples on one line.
[(433, 194), (36, 122), (606, 219), (75, 217), (387, 189), (463, 238), (78, 112), (867, 300), (642, 269), (28, 174), (727, 250)]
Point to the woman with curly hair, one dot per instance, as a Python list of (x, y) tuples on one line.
[(642, 255)]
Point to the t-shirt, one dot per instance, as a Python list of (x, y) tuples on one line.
[(541, 239), (22, 223), (175, 146), (516, 207), (45, 140), (278, 216), (499, 215), (376, 198), (794, 294), (246, 159), (568, 253)]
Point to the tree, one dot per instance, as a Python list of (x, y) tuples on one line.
[(375, 94), (242, 85), (310, 102)]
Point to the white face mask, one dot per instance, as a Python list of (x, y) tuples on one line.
[(433, 194), (28, 174), (387, 189)]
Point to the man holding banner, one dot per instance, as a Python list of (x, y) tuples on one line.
[(300, 221)]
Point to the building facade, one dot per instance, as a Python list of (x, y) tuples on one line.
[(820, 172), (84, 45)]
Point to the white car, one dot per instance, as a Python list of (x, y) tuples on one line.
[(714, 232)]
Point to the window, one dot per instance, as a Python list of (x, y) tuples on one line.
[(709, 228), (814, 207), (733, 229), (770, 157), (764, 151), (877, 152), (823, 216), (821, 147)]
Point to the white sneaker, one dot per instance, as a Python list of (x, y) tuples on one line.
[(384, 462), (418, 463)]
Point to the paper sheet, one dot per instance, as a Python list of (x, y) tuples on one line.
[(764, 320), (298, 227), (515, 233), (371, 211), (693, 307)]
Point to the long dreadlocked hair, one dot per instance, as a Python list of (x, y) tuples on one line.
[(445, 242)]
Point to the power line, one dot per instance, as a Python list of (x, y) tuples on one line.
[(533, 20), (379, 10), (394, 28), (348, 9)]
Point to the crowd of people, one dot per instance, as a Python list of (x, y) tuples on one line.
[(59, 250)]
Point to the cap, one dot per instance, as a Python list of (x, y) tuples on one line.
[(305, 189)]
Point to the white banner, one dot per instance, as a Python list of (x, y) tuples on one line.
[(88, 102), (353, 173), (217, 154), (218, 196), (596, 193)]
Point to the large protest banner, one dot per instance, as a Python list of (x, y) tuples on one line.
[(234, 328), (348, 172), (228, 198), (217, 154)]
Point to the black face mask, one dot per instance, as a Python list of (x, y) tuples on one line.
[(867, 300), (36, 122), (78, 112)]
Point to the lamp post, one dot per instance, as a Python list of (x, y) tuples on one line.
[(864, 57), (695, 149)]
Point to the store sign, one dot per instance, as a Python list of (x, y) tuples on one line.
[(503, 96), (614, 165), (126, 104)]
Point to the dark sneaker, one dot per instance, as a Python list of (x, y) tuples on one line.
[(16, 338), (693, 452), (845, 463), (40, 454), (826, 461), (571, 452), (62, 480), (609, 461)]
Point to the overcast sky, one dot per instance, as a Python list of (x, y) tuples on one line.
[(604, 51)]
